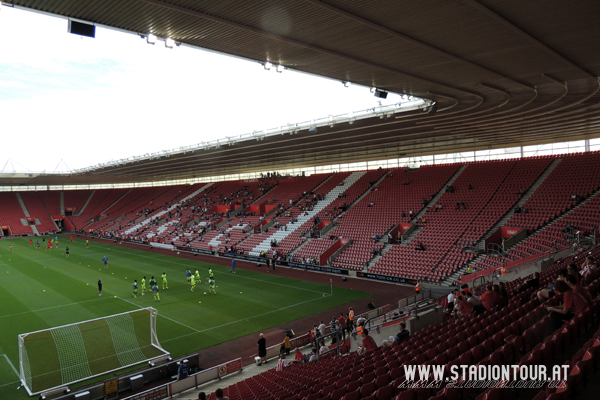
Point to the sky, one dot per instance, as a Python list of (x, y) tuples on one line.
[(70, 102)]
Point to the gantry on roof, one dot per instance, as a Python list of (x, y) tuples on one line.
[(504, 73)]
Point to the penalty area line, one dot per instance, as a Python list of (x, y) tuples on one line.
[(246, 319), (49, 308), (160, 315), (12, 366)]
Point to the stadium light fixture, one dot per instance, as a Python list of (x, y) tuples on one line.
[(151, 39), (280, 68), (267, 65), (169, 43), (347, 83)]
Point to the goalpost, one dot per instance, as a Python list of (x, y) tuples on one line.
[(54, 358)]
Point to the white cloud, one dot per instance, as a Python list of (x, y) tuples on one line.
[(87, 100)]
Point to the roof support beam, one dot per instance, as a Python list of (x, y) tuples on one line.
[(270, 35)]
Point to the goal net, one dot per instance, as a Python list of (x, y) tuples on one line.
[(57, 357)]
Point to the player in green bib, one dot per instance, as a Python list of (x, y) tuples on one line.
[(156, 294), (212, 287), (152, 284), (193, 282), (210, 273), (134, 287), (143, 285), (164, 279), (198, 276)]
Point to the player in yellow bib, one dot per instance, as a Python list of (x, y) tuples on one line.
[(212, 287), (143, 285), (193, 281), (164, 279), (156, 294)]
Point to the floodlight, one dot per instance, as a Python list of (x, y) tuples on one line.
[(347, 83), (280, 68), (267, 65), (169, 43), (382, 94), (151, 39)]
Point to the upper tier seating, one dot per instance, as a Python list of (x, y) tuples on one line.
[(76, 199), (494, 191), (400, 192), (575, 175), (51, 199), (101, 200), (287, 190)]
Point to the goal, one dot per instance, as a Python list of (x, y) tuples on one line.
[(57, 357)]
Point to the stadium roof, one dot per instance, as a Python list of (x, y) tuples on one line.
[(503, 73)]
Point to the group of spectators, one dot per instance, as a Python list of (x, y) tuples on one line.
[(463, 302), (576, 298)]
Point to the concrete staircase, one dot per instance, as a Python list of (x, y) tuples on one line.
[(299, 247), (522, 200), (412, 235), (105, 211), (359, 198), (165, 212), (329, 198), (26, 212), (454, 276), (386, 247), (79, 212), (439, 193)]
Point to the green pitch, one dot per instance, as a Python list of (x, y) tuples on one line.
[(43, 289)]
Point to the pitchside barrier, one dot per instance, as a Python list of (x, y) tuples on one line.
[(169, 370)]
